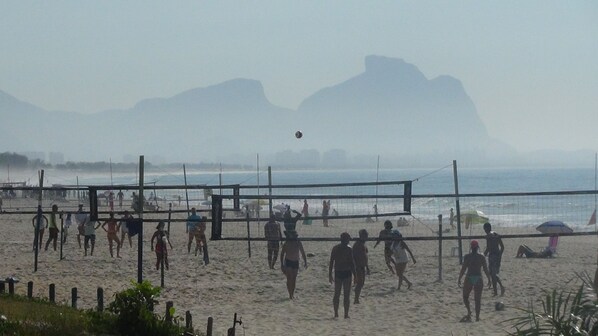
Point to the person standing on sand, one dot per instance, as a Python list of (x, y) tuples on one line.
[(452, 218), (81, 219), (386, 235), (289, 260), (124, 228), (325, 211), (90, 235), (120, 197), (399, 250), (494, 250), (290, 222), (360, 256), (341, 259), (67, 224), (273, 236), (53, 227), (192, 223), (161, 249), (200, 235), (43, 224), (112, 233), (111, 200), (473, 263), (305, 213)]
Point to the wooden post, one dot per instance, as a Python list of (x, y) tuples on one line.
[(439, 248), (186, 195), (269, 192), (11, 286), (162, 263), (188, 320), (168, 316), (100, 294), (39, 218), (30, 289), (74, 297), (52, 293), (61, 235), (457, 206), (248, 235), (210, 326), (140, 216), (169, 216), (2, 287)]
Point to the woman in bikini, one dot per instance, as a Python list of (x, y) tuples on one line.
[(473, 262), (161, 249), (111, 231)]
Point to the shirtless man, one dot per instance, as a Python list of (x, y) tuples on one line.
[(124, 228), (192, 223), (53, 227), (41, 227), (274, 236), (81, 219), (360, 256), (386, 235), (90, 235), (200, 236), (473, 263), (341, 259), (494, 250), (289, 260), (112, 232)]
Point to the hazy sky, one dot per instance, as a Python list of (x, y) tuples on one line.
[(531, 67)]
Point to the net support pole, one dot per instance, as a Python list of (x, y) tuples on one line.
[(457, 206), (269, 191), (140, 214), (248, 233), (39, 219), (186, 195), (439, 248)]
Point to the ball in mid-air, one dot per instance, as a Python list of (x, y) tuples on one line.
[(298, 134)]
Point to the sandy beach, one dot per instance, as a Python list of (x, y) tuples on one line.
[(234, 283)]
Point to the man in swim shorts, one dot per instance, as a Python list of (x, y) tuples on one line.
[(90, 235), (124, 228), (81, 219), (112, 233), (273, 236), (473, 262), (360, 256), (289, 260), (192, 223), (494, 250), (386, 235), (341, 259)]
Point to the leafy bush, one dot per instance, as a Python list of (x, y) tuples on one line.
[(134, 312)]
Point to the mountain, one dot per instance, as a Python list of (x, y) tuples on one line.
[(390, 109)]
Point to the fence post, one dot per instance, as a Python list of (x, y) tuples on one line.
[(30, 289), (2, 287), (188, 320), (210, 324), (168, 316), (11, 286), (74, 297), (440, 248), (52, 293), (100, 299)]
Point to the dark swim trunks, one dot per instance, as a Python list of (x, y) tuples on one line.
[(342, 275), (494, 263), (291, 264), (273, 244)]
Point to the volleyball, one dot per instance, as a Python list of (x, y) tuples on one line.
[(298, 134), (499, 306)]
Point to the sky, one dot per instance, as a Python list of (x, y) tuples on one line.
[(530, 67)]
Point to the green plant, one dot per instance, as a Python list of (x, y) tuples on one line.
[(562, 313), (133, 309)]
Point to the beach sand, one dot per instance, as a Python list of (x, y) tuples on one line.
[(234, 283)]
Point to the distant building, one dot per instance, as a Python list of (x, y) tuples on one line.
[(56, 158), (34, 155)]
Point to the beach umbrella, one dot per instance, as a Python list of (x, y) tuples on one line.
[(474, 217), (554, 227)]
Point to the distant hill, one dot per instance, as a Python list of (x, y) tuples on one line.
[(390, 109)]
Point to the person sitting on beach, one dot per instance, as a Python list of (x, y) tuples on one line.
[(273, 236), (192, 223), (112, 233), (289, 260), (161, 248), (473, 262), (386, 235), (81, 219), (526, 251), (341, 259), (399, 254), (53, 227), (360, 256), (41, 227), (124, 228)]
